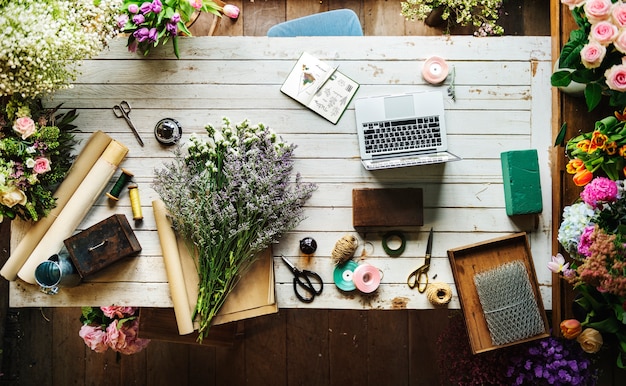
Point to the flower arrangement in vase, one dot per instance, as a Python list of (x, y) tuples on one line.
[(483, 15), (594, 54), (149, 24)]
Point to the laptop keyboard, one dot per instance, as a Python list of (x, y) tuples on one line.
[(402, 135)]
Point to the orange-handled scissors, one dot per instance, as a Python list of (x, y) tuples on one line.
[(419, 277)]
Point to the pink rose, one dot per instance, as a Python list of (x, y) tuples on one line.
[(604, 32), (598, 10), (572, 3), (618, 14), (118, 311), (592, 54), (115, 338), (134, 344), (616, 78), (94, 337), (42, 165), (25, 126), (620, 41)]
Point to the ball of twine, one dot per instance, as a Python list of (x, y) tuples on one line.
[(344, 249), (439, 294)]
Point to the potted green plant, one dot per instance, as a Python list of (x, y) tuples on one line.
[(483, 15)]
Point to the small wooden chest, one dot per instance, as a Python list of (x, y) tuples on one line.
[(102, 244), (382, 208)]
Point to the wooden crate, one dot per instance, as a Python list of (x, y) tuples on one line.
[(469, 260)]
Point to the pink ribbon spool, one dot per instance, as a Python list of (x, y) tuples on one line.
[(435, 70), (366, 278)]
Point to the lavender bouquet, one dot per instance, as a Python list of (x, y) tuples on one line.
[(231, 196)]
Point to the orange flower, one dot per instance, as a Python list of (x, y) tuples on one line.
[(622, 151), (621, 116), (574, 166), (582, 177), (598, 141), (584, 145), (611, 148), (571, 328)]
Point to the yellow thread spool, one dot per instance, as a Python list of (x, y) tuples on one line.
[(135, 202)]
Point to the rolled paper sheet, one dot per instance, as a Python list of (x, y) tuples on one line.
[(173, 268), (435, 70), (75, 210), (86, 159)]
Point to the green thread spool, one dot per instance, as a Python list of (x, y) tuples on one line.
[(124, 179)]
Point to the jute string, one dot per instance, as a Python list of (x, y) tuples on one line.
[(344, 249), (439, 294)]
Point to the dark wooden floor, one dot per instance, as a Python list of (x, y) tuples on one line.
[(292, 347)]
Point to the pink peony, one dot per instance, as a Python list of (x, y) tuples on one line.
[(25, 126), (572, 3), (599, 190), (592, 54), (598, 10), (618, 14), (42, 165), (604, 32), (586, 241), (94, 337), (616, 78), (118, 311)]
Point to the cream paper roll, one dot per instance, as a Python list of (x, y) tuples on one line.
[(75, 210), (86, 159), (173, 268)]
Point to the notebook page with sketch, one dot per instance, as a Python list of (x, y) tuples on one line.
[(402, 130)]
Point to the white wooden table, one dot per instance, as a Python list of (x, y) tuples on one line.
[(502, 103)]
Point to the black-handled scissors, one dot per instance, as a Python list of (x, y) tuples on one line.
[(419, 277), (307, 280), (122, 111)]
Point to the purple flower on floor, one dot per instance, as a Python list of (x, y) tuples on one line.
[(122, 20)]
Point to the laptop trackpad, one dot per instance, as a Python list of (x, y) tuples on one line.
[(400, 106)]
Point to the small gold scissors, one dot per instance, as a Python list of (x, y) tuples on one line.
[(122, 111), (419, 277)]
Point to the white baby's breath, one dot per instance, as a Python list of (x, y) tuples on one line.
[(43, 42)]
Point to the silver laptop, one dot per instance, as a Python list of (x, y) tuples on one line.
[(402, 130)]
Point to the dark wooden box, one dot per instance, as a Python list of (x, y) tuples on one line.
[(384, 208), (469, 260), (102, 244)]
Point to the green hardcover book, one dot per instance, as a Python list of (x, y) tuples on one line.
[(522, 186)]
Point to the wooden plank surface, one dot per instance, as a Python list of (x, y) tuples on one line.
[(220, 76)]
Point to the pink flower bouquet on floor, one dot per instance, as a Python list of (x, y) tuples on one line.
[(112, 327)]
